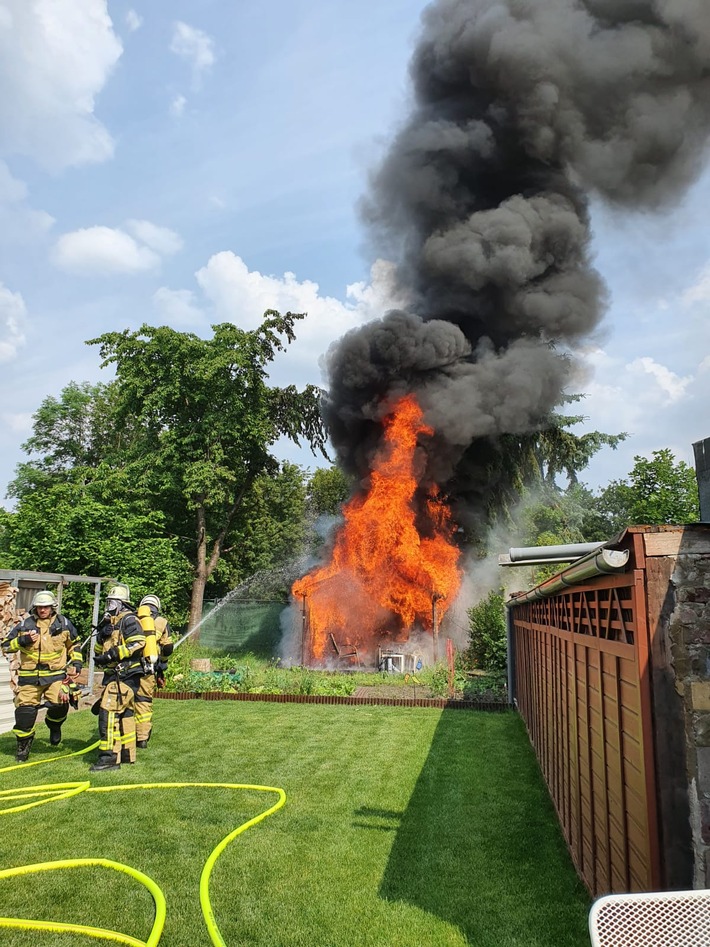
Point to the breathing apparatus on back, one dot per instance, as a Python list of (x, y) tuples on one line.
[(145, 617)]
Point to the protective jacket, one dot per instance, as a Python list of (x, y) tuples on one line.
[(45, 660), (163, 632), (122, 641)]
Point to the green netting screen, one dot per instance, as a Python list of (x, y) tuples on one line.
[(242, 626)]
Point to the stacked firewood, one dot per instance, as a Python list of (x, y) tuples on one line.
[(8, 614), (8, 619)]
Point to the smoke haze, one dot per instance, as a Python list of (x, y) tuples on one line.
[(522, 109)]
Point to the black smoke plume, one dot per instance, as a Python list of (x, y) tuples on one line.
[(522, 109)]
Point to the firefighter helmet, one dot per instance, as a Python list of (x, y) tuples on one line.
[(150, 600), (121, 592), (44, 598)]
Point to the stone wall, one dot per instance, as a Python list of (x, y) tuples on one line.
[(689, 641)]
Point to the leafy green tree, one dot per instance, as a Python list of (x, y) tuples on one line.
[(97, 524), (516, 463), (270, 529), (328, 489), (552, 515), (658, 490), (207, 420), (75, 431), (488, 647), (78, 510), (6, 519)]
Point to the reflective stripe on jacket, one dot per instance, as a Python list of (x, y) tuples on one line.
[(124, 632), (45, 660)]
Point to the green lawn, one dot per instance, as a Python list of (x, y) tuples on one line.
[(402, 826)]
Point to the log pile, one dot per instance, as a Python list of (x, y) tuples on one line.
[(8, 614), (8, 619)]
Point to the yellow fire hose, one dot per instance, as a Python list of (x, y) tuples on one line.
[(40, 795)]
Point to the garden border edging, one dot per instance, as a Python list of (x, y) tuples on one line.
[(436, 702)]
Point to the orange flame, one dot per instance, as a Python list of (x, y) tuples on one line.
[(383, 574)]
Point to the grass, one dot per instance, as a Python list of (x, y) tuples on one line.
[(403, 826)]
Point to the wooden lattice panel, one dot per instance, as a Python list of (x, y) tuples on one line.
[(579, 687)]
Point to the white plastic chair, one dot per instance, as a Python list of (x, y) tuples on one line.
[(655, 919)]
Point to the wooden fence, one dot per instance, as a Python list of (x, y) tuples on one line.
[(582, 682)]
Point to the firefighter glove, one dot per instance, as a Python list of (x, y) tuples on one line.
[(101, 659), (25, 640), (105, 629), (63, 694)]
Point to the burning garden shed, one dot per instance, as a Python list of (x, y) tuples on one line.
[(523, 110)]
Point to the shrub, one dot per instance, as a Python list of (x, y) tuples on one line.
[(488, 648)]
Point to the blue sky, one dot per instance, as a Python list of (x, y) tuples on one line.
[(189, 163)]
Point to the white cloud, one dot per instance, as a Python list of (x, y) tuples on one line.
[(242, 296), (12, 191), (103, 251), (19, 223), (161, 239), (194, 46), (380, 294), (671, 386), (55, 57), (13, 314), (19, 422), (699, 292), (133, 21), (177, 106), (177, 306)]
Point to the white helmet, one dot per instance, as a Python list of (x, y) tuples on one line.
[(44, 598), (150, 600), (121, 592)]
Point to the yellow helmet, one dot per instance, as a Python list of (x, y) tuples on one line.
[(121, 592)]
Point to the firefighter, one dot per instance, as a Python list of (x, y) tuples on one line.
[(156, 656), (121, 640), (50, 662)]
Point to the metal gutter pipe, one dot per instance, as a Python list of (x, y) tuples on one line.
[(564, 553), (603, 562)]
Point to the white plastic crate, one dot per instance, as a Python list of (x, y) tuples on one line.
[(655, 919)]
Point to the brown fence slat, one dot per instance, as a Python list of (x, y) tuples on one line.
[(581, 680)]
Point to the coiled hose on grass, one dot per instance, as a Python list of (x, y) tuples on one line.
[(27, 797)]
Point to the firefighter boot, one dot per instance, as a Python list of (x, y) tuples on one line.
[(23, 748), (105, 762), (142, 744), (55, 734), (126, 756)]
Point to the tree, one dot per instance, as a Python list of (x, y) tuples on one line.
[(270, 529), (328, 489), (206, 419), (496, 471), (488, 647), (72, 432), (97, 524), (658, 490)]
